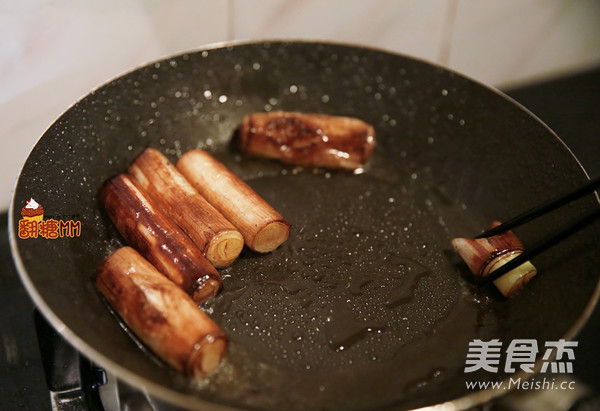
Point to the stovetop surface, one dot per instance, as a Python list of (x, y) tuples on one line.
[(570, 106)]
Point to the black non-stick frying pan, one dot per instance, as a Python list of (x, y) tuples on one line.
[(365, 306)]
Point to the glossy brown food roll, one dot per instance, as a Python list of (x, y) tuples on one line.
[(160, 314), (316, 140), (216, 237), (263, 228), (146, 228)]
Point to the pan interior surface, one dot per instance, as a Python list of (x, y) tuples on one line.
[(365, 306)]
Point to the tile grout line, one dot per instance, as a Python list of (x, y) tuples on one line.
[(230, 20), (446, 35)]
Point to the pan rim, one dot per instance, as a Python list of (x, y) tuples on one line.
[(185, 400)]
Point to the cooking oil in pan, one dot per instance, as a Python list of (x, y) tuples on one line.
[(357, 301)]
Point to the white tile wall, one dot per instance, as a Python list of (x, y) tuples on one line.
[(513, 41), (54, 52), (411, 27)]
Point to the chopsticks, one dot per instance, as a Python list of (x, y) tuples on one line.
[(553, 239), (544, 208)]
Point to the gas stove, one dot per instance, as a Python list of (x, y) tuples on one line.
[(40, 370)]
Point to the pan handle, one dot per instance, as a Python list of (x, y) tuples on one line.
[(75, 383), (72, 380)]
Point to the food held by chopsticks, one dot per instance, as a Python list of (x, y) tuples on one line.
[(159, 313), (145, 227), (308, 139), (262, 227), (216, 237), (484, 255), (497, 254)]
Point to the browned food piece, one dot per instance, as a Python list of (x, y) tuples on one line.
[(146, 228), (159, 313), (263, 228), (216, 237), (484, 255), (308, 139)]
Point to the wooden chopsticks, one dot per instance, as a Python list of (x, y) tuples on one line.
[(555, 238)]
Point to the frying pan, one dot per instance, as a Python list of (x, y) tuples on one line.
[(365, 306)]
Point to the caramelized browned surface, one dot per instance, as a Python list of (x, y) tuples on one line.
[(216, 237), (160, 313), (145, 227), (308, 139), (263, 228)]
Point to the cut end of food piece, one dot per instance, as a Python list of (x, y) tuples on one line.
[(160, 313), (513, 281), (182, 203), (224, 247), (207, 355), (271, 236), (236, 200), (205, 289)]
